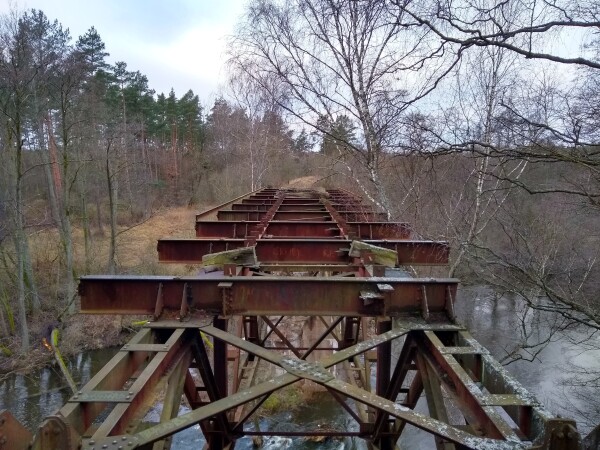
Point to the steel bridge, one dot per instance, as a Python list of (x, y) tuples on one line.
[(380, 338)]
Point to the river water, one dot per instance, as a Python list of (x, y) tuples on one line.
[(494, 321)]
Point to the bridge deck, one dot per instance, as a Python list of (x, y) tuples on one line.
[(280, 253)]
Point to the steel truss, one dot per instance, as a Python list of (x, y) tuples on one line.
[(212, 336)]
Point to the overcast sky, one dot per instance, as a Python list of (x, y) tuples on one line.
[(175, 43)]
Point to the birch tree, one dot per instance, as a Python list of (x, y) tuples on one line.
[(340, 57), (484, 80)]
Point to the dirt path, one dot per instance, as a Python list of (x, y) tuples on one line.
[(303, 182)]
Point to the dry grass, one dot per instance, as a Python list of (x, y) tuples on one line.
[(136, 246), (136, 254), (303, 182)]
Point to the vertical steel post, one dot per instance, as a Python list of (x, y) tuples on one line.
[(220, 359), (384, 364)]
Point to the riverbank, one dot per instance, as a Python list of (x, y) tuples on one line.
[(136, 254)]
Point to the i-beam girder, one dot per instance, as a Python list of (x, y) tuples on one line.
[(302, 241)]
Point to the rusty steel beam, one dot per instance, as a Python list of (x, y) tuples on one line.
[(302, 207), (268, 295), (379, 230), (211, 211), (257, 201), (303, 229), (363, 216), (286, 201), (127, 383), (222, 229), (226, 215), (302, 215), (325, 251), (13, 435), (266, 195), (352, 207), (80, 415), (428, 424), (253, 207), (503, 389), (283, 207), (279, 215), (296, 370), (127, 408), (459, 384)]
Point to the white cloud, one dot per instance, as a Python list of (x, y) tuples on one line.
[(198, 54), (179, 44)]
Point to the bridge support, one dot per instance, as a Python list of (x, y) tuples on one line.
[(224, 340)]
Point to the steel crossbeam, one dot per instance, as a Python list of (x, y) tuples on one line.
[(268, 295), (326, 251), (302, 229)]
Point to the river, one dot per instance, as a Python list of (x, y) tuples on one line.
[(493, 321)]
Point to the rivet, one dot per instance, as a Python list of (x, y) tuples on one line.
[(130, 392), (124, 438), (114, 442), (105, 446), (92, 442)]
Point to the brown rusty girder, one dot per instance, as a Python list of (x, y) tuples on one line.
[(268, 295), (211, 335), (325, 251), (301, 229)]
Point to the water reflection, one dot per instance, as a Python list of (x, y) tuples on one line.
[(499, 323), (32, 397)]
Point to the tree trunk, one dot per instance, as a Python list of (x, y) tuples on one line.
[(24, 328), (112, 201), (19, 240), (85, 222), (30, 284)]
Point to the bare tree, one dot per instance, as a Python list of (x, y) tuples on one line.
[(484, 80), (463, 25), (17, 75), (257, 105), (332, 58)]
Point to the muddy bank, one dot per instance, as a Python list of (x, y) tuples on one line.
[(78, 334)]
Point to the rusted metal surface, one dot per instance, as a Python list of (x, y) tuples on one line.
[(274, 295), (210, 333), (13, 435), (332, 251), (301, 229)]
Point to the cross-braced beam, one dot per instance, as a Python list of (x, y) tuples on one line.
[(325, 256)]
